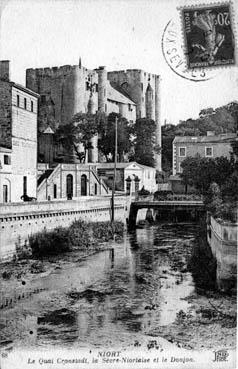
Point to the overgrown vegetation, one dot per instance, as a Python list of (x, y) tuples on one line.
[(217, 180), (80, 235)]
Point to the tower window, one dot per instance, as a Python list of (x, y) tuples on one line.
[(24, 103), (32, 106), (18, 100)]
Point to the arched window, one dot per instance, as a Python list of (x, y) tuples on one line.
[(69, 186), (84, 185)]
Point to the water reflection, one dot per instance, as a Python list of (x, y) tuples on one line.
[(98, 301)]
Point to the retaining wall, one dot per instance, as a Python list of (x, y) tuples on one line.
[(222, 238), (19, 220)]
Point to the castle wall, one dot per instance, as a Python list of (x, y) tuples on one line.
[(65, 85)]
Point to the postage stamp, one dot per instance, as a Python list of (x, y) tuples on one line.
[(208, 35)]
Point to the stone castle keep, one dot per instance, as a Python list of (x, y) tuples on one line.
[(67, 90)]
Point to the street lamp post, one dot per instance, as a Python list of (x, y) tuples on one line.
[(114, 175)]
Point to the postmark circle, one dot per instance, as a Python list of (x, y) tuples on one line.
[(173, 53)]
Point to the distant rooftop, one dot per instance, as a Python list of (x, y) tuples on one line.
[(203, 139), (120, 96)]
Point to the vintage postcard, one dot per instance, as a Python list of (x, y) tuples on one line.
[(118, 184)]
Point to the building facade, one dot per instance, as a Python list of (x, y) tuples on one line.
[(210, 146), (18, 138), (130, 177), (69, 181), (67, 90)]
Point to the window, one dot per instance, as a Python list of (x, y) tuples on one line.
[(55, 191), (7, 159), (95, 188), (208, 152), (24, 103), (24, 185), (182, 151), (18, 100), (32, 106)]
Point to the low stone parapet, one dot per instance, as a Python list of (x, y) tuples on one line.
[(222, 237)]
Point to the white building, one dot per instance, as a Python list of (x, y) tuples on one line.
[(132, 170), (18, 138)]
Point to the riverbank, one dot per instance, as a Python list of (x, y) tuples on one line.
[(49, 251), (145, 288), (211, 320)]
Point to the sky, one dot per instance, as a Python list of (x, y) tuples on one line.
[(119, 34)]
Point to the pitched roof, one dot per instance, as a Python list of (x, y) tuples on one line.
[(205, 139), (115, 95), (120, 165), (25, 89), (48, 130)]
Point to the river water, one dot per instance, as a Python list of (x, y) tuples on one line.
[(107, 299)]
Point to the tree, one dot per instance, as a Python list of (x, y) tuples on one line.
[(106, 142), (75, 137), (202, 172), (144, 141)]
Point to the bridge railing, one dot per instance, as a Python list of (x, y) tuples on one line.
[(169, 197)]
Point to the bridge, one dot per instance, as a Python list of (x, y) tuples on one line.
[(173, 204)]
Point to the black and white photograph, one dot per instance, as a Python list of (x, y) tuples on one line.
[(118, 184)]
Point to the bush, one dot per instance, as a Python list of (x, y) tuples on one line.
[(80, 235), (50, 242)]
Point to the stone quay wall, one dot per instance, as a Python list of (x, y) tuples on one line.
[(19, 220), (222, 238)]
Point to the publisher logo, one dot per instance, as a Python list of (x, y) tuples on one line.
[(221, 355)]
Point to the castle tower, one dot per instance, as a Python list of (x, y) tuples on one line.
[(146, 97), (92, 153), (149, 102), (157, 121), (102, 89)]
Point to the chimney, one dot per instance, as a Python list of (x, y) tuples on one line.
[(5, 70), (210, 133)]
